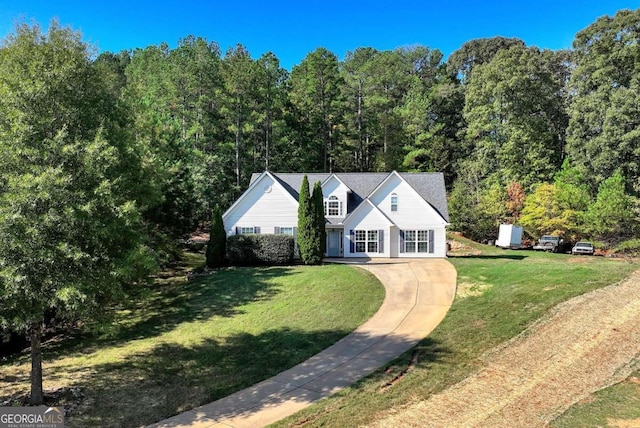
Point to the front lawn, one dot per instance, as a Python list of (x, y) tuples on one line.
[(616, 406), (500, 293), (183, 343)]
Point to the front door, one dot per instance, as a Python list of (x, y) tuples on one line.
[(334, 243)]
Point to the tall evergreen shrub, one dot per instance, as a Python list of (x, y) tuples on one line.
[(305, 221), (319, 241), (217, 247)]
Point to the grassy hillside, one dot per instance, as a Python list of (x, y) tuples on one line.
[(500, 293), (183, 343)]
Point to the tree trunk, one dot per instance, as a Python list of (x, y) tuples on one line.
[(35, 334)]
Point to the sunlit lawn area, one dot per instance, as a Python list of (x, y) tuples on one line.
[(183, 343), (616, 406), (500, 293)]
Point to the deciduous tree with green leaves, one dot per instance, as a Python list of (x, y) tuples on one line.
[(611, 217), (604, 131), (71, 188), (543, 213), (511, 107)]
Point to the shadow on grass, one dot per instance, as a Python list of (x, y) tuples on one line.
[(161, 306), (170, 379)]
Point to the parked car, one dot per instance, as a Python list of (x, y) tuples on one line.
[(583, 247), (550, 243)]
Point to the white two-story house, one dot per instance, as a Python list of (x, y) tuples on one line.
[(367, 214)]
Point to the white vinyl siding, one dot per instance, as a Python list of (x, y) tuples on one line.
[(267, 205), (366, 219), (335, 197), (412, 214)]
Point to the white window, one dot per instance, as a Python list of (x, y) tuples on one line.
[(394, 202), (333, 207), (416, 241), (423, 241), (361, 240), (409, 241), (372, 241), (247, 230), (366, 241), (285, 231)]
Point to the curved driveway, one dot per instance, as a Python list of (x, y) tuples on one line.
[(419, 292)]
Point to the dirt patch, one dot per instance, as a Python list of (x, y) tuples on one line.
[(583, 345), (68, 398), (623, 423), (579, 260), (470, 289)]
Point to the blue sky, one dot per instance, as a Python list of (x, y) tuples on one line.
[(291, 29)]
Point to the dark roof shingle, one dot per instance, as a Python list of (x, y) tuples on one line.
[(429, 185)]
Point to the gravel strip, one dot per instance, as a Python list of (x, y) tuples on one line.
[(583, 345)]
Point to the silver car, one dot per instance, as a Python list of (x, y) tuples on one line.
[(583, 247)]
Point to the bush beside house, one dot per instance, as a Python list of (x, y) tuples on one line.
[(217, 246), (252, 250)]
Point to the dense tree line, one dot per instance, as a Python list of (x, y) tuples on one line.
[(496, 115), (106, 160)]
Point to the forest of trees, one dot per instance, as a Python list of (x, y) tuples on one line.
[(521, 134), (105, 160)]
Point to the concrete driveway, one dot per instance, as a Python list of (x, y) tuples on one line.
[(419, 292)]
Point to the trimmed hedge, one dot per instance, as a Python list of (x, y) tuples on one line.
[(252, 250)]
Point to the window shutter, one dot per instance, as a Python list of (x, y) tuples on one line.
[(341, 212), (431, 241), (237, 230), (402, 241), (295, 232), (276, 230), (256, 229), (381, 241), (352, 243)]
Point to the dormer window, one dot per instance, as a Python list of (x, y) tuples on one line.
[(333, 207), (394, 202)]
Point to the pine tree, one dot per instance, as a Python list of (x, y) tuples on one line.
[(217, 246), (304, 221)]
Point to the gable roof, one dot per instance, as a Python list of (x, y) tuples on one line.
[(367, 203), (255, 179), (429, 185)]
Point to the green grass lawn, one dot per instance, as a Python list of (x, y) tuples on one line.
[(183, 343), (608, 407), (501, 292)]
